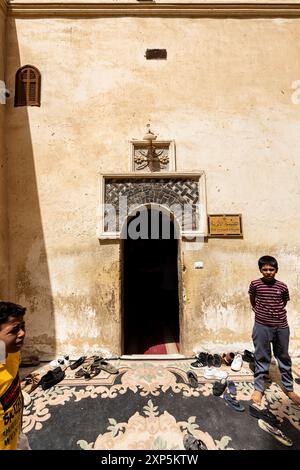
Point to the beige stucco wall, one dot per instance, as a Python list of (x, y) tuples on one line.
[(3, 181), (225, 94)]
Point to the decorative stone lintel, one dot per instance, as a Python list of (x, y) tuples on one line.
[(164, 191), (197, 10)]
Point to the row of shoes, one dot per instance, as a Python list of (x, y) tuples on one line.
[(57, 373), (203, 359)]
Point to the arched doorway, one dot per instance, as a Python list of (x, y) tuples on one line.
[(150, 284)]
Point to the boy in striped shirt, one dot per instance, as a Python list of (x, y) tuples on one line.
[(268, 298)]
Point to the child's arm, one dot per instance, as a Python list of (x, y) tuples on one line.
[(252, 299), (252, 292)]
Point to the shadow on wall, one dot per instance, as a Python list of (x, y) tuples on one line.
[(29, 280)]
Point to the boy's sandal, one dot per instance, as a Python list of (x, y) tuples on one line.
[(233, 403), (276, 433)]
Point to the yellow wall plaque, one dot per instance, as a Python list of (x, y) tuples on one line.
[(225, 225)]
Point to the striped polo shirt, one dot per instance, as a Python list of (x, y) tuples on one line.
[(270, 299)]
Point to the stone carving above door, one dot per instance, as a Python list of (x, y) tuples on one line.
[(182, 195)]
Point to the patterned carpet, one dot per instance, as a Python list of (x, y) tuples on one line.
[(150, 405)]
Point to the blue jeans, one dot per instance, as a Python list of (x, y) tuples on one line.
[(263, 336)]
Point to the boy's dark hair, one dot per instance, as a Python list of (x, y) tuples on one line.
[(267, 260), (9, 309)]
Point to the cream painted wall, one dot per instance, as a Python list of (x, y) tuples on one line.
[(225, 94), (3, 181)]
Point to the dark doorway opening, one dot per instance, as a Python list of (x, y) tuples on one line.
[(150, 290)]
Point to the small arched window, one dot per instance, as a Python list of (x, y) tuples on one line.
[(28, 86)]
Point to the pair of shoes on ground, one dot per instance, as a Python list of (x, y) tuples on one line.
[(235, 361), (192, 443), (93, 367), (31, 382), (219, 388), (204, 359), (214, 373)]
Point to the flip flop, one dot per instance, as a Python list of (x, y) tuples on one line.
[(233, 403), (192, 378), (104, 365), (276, 433)]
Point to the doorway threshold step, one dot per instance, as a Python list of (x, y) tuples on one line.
[(146, 357)]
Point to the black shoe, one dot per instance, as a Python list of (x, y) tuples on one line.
[(197, 365), (210, 360), (202, 357), (52, 378), (248, 356), (252, 366), (201, 361), (266, 415), (219, 387), (78, 362), (217, 360), (192, 378)]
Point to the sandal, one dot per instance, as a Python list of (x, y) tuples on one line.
[(192, 378), (233, 403), (276, 433), (104, 365), (31, 382)]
